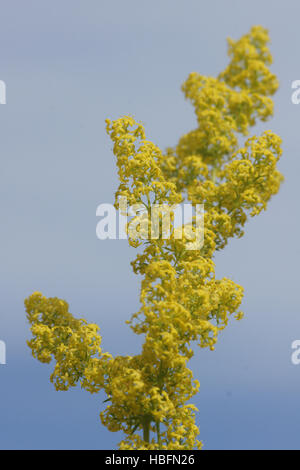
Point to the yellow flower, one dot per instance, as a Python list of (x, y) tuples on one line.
[(181, 301)]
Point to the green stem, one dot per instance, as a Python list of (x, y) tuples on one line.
[(146, 429), (158, 434)]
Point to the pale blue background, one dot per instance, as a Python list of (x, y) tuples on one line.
[(68, 66)]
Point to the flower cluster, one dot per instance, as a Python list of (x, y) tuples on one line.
[(182, 304)]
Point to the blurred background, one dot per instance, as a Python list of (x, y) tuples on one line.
[(68, 66)]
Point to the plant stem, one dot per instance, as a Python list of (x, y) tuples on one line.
[(158, 434), (146, 430)]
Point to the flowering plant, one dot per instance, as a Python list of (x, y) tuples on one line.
[(181, 301)]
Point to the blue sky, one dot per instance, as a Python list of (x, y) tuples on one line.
[(68, 66)]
